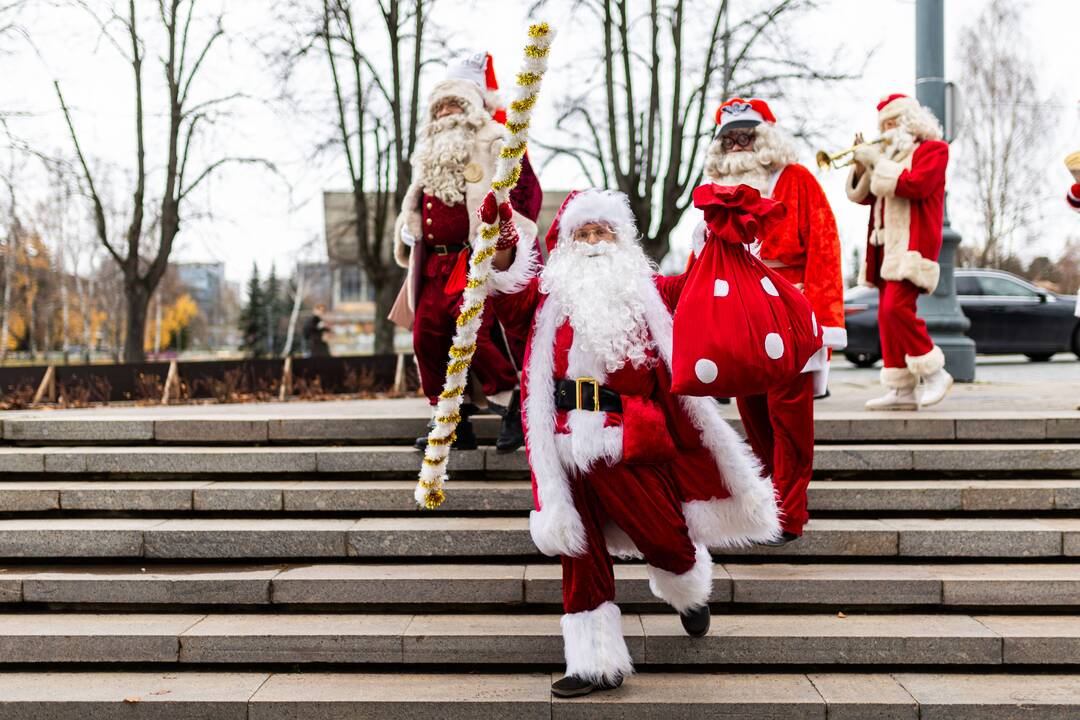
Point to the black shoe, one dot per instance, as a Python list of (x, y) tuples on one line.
[(696, 622), (466, 437), (784, 539), (511, 434), (571, 687)]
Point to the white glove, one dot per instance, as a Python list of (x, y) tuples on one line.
[(867, 155), (407, 237), (697, 239)]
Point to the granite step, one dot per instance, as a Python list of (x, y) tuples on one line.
[(227, 695), (475, 640), (840, 459), (827, 585), (436, 536), (478, 496), (218, 426)]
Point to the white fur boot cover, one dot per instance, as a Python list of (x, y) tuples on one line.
[(928, 364), (898, 378), (688, 591), (594, 645)]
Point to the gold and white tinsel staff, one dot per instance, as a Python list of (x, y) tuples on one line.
[(429, 490)]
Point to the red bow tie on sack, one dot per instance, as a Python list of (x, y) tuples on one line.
[(736, 214)]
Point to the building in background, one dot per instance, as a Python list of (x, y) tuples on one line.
[(218, 301)]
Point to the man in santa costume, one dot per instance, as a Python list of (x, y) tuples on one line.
[(904, 184), (620, 466), (804, 248), (452, 171)]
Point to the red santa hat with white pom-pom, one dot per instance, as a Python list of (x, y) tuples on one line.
[(895, 105), (471, 79), (738, 113)]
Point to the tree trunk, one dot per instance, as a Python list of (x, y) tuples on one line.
[(386, 292), (138, 305)]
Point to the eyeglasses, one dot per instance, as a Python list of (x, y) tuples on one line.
[(742, 139), (601, 232)]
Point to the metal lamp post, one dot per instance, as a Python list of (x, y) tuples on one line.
[(941, 310)]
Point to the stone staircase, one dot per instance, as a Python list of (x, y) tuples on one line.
[(272, 568)]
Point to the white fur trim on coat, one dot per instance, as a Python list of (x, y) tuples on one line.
[(884, 176), (898, 378), (858, 191), (688, 591), (523, 269), (928, 364), (594, 645), (914, 267)]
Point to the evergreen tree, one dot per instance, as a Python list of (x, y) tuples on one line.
[(276, 312), (253, 316)]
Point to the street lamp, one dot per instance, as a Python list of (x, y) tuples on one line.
[(941, 310)]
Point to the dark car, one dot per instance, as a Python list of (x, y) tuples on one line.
[(1008, 316)]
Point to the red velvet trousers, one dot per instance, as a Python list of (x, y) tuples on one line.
[(902, 331), (433, 334), (642, 501), (780, 428)]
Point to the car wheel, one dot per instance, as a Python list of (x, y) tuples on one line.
[(862, 359), (1039, 357)]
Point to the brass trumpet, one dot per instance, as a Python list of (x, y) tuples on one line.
[(826, 160)]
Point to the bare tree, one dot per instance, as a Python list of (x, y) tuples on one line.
[(182, 57), (1005, 123), (374, 85), (642, 127)]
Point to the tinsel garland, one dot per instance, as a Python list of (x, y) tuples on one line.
[(430, 491)]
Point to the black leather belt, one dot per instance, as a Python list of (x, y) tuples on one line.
[(447, 249), (586, 394)]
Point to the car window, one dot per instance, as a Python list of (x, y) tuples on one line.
[(999, 286), (967, 285)]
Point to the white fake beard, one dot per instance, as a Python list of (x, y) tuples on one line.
[(601, 289), (900, 143), (773, 150), (441, 160)]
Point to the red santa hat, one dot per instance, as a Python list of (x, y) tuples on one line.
[(738, 113), (581, 207), (895, 105), (471, 79)]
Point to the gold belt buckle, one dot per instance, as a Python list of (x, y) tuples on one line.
[(441, 250), (596, 392)]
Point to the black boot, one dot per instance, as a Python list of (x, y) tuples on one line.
[(571, 686), (784, 539), (511, 434), (696, 622)]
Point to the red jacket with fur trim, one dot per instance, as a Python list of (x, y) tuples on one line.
[(907, 197)]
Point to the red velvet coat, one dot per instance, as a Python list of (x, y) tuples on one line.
[(726, 502), (907, 197)]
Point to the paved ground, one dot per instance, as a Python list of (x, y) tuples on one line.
[(1004, 384)]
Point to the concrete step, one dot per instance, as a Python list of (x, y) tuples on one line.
[(323, 496), (841, 459), (828, 585), (406, 696), (535, 640), (219, 425), (441, 536)]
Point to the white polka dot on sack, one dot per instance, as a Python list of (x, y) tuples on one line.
[(705, 370), (769, 287), (813, 319), (720, 288), (774, 346)]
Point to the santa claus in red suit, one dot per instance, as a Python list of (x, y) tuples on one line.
[(452, 171), (804, 248), (904, 184), (620, 466)]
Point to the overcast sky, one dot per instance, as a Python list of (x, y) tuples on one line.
[(256, 218)]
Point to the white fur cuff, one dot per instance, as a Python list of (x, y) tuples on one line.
[(898, 378), (858, 191), (594, 645), (928, 364), (688, 591), (922, 272), (834, 337), (521, 271), (557, 530), (884, 177)]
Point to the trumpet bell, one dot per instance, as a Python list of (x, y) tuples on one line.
[(824, 160)]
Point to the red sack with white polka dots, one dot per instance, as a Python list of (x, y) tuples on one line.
[(740, 328)]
